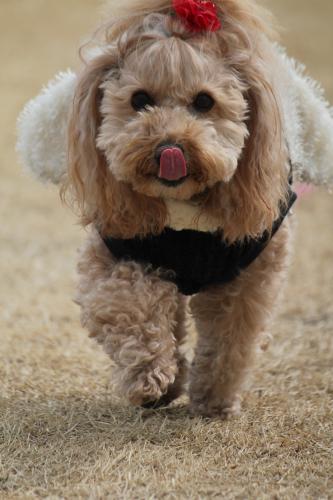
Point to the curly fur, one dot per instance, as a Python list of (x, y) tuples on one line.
[(232, 66), (238, 165)]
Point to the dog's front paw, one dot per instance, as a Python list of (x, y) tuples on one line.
[(150, 386), (224, 409)]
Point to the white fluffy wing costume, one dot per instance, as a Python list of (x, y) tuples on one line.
[(307, 122)]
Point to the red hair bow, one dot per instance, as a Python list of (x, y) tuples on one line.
[(198, 15)]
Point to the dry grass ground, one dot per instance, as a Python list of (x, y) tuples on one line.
[(62, 432)]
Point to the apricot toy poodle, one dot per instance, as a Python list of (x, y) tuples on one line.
[(179, 162)]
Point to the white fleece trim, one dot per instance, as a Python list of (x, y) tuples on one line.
[(42, 129), (308, 122)]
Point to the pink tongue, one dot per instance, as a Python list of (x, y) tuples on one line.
[(172, 164)]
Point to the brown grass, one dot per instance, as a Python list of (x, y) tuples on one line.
[(62, 432)]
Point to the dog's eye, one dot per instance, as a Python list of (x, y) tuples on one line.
[(140, 100), (203, 102)]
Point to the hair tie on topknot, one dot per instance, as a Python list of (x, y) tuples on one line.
[(197, 15)]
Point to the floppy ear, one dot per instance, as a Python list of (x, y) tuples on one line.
[(252, 200), (260, 184), (112, 206)]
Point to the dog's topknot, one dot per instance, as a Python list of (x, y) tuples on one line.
[(141, 14)]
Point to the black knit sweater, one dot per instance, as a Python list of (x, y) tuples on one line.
[(194, 260)]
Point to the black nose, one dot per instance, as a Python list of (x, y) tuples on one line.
[(165, 145)]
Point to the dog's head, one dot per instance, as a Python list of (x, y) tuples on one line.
[(164, 112)]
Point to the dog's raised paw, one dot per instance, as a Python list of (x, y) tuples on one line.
[(149, 388)]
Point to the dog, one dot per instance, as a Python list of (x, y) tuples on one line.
[(180, 165)]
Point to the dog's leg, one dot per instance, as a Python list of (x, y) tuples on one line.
[(136, 317), (180, 332), (229, 320)]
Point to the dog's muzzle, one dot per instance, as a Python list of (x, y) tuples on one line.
[(172, 164)]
